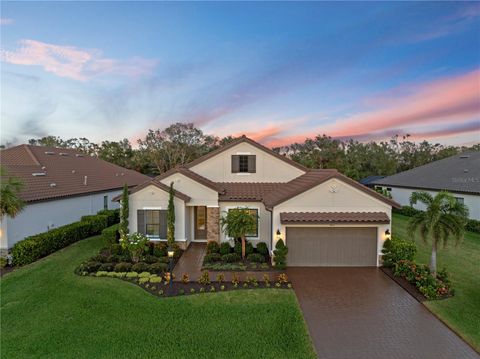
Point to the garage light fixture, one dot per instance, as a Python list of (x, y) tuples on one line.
[(387, 234)]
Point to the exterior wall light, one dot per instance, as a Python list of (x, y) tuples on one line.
[(387, 234)]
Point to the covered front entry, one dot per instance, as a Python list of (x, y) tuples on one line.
[(332, 246), (200, 223)]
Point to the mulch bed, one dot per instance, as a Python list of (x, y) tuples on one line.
[(161, 290)]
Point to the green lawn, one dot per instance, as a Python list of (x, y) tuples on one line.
[(47, 311), (461, 312)]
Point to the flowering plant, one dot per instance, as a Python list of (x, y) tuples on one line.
[(136, 244)]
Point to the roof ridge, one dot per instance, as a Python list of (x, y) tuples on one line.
[(30, 153)]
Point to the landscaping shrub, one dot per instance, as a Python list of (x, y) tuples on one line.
[(40, 245), (113, 215), (256, 258), (225, 248), (212, 257), (150, 259), (158, 268), (406, 211), (3, 262), (108, 267), (248, 248), (280, 254), (99, 222), (231, 257), (397, 249), (424, 281), (90, 267), (204, 278), (262, 248), (473, 225), (164, 260), (110, 235), (212, 247), (140, 267), (116, 249), (237, 248), (159, 249), (123, 267)]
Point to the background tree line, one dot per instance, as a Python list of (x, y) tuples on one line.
[(180, 143)]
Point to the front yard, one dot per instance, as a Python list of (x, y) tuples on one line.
[(48, 311), (461, 312)]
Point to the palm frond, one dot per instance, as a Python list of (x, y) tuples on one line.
[(422, 196)]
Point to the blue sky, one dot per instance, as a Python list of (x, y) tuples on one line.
[(278, 72)]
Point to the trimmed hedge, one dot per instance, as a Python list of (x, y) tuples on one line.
[(40, 245), (110, 234), (113, 215), (397, 249), (406, 211), (473, 226)]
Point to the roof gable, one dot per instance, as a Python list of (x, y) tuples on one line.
[(238, 141), (158, 185)]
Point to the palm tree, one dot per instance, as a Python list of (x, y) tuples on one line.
[(237, 223), (444, 217), (10, 203)]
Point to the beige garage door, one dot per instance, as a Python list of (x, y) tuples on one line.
[(314, 246)]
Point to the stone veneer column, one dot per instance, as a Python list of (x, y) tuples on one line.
[(213, 224)]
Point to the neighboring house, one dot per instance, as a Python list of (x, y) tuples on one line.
[(324, 217), (459, 174), (368, 181), (60, 186)]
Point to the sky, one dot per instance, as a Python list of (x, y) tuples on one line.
[(278, 72)]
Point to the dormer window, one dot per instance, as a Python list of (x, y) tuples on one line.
[(243, 163)]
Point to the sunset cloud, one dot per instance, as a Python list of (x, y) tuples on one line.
[(73, 62), (451, 99)]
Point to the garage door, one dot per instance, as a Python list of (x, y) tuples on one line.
[(314, 246)]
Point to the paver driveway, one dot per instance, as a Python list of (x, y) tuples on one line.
[(361, 313)]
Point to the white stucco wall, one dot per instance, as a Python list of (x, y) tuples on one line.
[(152, 197), (333, 196), (264, 221), (42, 216), (199, 194), (268, 167), (402, 196)]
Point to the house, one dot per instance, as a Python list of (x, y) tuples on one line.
[(367, 181), (60, 186), (324, 217), (459, 174)]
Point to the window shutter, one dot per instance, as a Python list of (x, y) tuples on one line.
[(141, 221), (235, 163), (252, 159), (163, 224)]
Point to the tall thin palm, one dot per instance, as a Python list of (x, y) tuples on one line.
[(443, 219), (10, 202)]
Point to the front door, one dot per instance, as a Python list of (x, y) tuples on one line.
[(200, 223)]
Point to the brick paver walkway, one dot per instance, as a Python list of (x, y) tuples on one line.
[(362, 313), (191, 262)]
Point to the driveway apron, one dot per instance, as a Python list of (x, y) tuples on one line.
[(362, 313)]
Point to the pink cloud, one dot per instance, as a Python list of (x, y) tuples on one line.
[(6, 21), (454, 99), (73, 62)]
